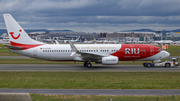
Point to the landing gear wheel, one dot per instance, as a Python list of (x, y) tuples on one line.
[(85, 63), (167, 65), (89, 65)]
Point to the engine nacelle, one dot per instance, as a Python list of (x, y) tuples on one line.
[(110, 60)]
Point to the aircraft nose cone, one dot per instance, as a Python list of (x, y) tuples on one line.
[(166, 54)]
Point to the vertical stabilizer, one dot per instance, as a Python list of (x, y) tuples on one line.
[(16, 33)]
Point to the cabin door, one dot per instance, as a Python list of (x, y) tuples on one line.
[(151, 50)]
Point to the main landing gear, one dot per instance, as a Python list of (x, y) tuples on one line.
[(87, 64)]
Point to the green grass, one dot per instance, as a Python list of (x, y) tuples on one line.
[(174, 48), (90, 80), (6, 52), (48, 97), (174, 53)]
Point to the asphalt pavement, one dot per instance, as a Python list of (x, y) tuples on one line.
[(95, 68), (93, 91)]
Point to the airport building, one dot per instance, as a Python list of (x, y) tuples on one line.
[(74, 35), (142, 36), (64, 37), (174, 36)]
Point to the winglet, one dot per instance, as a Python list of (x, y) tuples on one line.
[(73, 48)]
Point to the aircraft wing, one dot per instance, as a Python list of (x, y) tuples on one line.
[(84, 55), (13, 47), (56, 42)]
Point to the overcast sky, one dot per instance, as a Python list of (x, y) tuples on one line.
[(93, 15)]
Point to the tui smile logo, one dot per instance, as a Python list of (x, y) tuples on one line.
[(14, 36)]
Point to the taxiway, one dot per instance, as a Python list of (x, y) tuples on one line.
[(93, 91), (96, 68)]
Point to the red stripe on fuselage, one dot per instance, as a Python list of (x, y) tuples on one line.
[(25, 46), (130, 52)]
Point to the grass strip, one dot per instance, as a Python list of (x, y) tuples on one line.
[(90, 80), (51, 97)]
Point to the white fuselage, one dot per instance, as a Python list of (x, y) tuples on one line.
[(62, 52)]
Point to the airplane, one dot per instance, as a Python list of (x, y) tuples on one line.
[(72, 40), (105, 54), (164, 42)]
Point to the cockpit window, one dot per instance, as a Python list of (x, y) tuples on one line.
[(160, 49)]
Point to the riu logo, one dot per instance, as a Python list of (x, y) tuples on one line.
[(14, 36), (131, 50)]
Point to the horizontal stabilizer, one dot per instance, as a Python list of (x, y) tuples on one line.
[(13, 47)]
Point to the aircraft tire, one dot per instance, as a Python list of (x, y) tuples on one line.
[(89, 65)]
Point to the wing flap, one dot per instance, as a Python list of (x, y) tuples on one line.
[(84, 55)]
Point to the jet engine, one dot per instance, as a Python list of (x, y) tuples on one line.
[(109, 60)]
